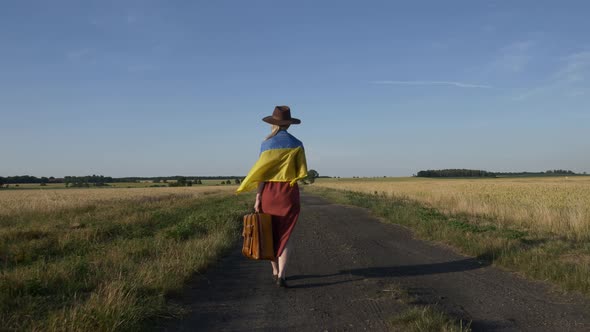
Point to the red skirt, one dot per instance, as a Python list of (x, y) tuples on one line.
[(281, 201)]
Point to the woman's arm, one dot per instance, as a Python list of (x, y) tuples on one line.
[(258, 197)]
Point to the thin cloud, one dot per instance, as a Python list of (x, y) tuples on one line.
[(578, 92), (449, 83), (570, 79), (78, 54), (576, 68), (514, 57)]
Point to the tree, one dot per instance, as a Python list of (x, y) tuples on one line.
[(181, 181), (312, 174), (237, 181), (2, 181)]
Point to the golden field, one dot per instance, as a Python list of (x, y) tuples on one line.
[(559, 205), (49, 200), (105, 259)]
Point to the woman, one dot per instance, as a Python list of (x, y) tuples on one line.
[(280, 165)]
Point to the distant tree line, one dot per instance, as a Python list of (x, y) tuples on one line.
[(447, 173), (158, 179), (87, 181), (553, 172), (182, 181), (28, 179), (107, 179), (455, 173)]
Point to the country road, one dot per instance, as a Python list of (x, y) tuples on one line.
[(344, 270)]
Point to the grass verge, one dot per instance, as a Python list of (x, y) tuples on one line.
[(108, 266), (538, 255), (419, 317), (426, 319)]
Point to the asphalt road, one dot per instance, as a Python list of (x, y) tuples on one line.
[(344, 271)]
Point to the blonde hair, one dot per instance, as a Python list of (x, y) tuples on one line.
[(275, 130)]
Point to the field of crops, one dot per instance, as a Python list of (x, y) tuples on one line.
[(15, 202), (539, 227), (558, 205), (104, 259)]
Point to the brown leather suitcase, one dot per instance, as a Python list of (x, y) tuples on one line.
[(257, 233)]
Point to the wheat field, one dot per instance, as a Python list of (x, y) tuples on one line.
[(558, 205), (104, 259), (13, 202)]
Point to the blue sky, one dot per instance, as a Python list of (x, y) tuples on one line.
[(154, 88)]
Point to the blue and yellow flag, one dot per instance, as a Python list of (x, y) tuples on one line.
[(282, 158)]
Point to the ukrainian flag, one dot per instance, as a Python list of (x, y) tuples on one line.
[(282, 159)]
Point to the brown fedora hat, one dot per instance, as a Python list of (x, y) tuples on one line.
[(281, 116)]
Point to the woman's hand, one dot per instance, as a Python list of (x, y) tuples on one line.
[(258, 195), (257, 204)]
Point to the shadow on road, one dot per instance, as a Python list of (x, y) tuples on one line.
[(392, 272)]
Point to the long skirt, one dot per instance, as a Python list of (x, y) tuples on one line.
[(281, 201)]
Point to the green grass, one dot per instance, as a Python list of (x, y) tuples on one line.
[(419, 317), (539, 255), (109, 265), (426, 319)]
